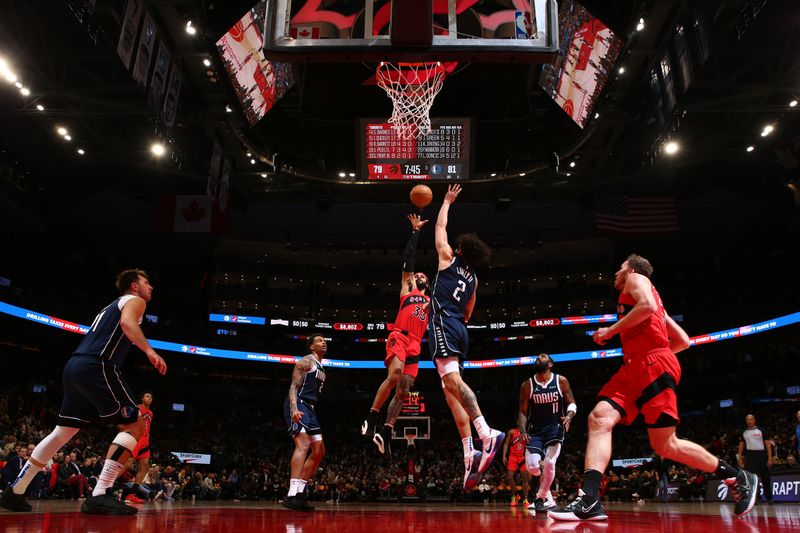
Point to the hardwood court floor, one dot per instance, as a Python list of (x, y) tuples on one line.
[(210, 517)]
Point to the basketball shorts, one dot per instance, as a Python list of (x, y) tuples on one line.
[(93, 388), (308, 422), (142, 450), (447, 337), (406, 350), (646, 385), (514, 462), (543, 437)]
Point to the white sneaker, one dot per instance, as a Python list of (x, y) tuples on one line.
[(471, 474), (549, 502), (490, 447)]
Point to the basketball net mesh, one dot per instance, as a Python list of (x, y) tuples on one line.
[(412, 88)]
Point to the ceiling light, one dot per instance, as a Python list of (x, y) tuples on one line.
[(61, 130), (751, 148), (671, 148), (767, 130), (569, 174), (342, 174), (81, 151), (252, 161), (228, 109), (191, 30), (25, 91), (521, 173), (352, 174), (621, 70), (263, 174), (40, 107), (793, 103), (494, 174), (18, 85), (249, 154), (597, 115), (67, 137), (572, 164), (157, 149), (207, 62), (640, 25)]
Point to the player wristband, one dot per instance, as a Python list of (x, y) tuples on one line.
[(572, 408)]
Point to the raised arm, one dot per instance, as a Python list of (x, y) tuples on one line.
[(407, 281), (640, 289), (522, 419), (300, 369), (132, 313), (569, 399), (442, 246)]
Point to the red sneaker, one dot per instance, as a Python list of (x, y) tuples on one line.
[(133, 498)]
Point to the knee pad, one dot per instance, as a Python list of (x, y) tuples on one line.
[(532, 463), (125, 443)]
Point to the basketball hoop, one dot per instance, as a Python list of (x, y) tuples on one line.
[(412, 88)]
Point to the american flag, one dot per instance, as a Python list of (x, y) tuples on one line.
[(636, 214)]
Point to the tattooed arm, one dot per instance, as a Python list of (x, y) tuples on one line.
[(300, 369)]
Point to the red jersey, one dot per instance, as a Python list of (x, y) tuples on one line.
[(648, 335), (516, 446), (413, 315), (147, 415)]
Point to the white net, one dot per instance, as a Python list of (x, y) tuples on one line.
[(412, 88)]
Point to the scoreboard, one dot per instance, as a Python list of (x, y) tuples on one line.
[(443, 154)]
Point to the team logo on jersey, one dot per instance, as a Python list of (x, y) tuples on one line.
[(295, 427), (126, 411), (620, 309), (417, 299)]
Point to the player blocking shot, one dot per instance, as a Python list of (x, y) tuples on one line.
[(452, 302), (402, 347), (299, 411), (94, 387), (546, 409)]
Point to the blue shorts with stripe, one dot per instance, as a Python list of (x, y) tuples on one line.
[(94, 388), (309, 421), (541, 438), (447, 337)]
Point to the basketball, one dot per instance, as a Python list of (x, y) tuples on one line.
[(421, 196)]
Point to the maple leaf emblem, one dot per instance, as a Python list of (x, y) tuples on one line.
[(194, 213)]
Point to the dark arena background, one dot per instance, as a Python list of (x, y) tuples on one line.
[(241, 155)]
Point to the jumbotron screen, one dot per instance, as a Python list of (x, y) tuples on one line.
[(443, 154)]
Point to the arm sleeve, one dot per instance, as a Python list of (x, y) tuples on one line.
[(411, 252)]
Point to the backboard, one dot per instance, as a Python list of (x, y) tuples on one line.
[(417, 425), (515, 31)]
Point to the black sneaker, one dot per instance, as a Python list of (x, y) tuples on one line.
[(295, 503), (540, 505), (14, 502), (580, 509), (106, 504), (371, 425), (302, 497), (745, 489)]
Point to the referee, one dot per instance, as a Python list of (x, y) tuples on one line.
[(756, 452)]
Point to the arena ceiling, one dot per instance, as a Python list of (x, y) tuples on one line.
[(66, 53)]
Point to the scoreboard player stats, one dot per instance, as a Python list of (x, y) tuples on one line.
[(442, 154)]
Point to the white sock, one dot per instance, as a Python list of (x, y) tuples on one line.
[(293, 486), (467, 442), (26, 475), (484, 431), (301, 485), (111, 470)]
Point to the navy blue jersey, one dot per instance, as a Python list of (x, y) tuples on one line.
[(311, 389), (105, 338), (545, 404), (452, 289)]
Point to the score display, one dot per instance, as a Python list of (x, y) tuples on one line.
[(443, 154)]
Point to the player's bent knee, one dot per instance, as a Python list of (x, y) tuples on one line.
[(600, 420)]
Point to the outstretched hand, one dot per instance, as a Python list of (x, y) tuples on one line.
[(416, 222), (452, 193)]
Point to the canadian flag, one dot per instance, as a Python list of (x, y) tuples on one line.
[(304, 31), (190, 213)]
